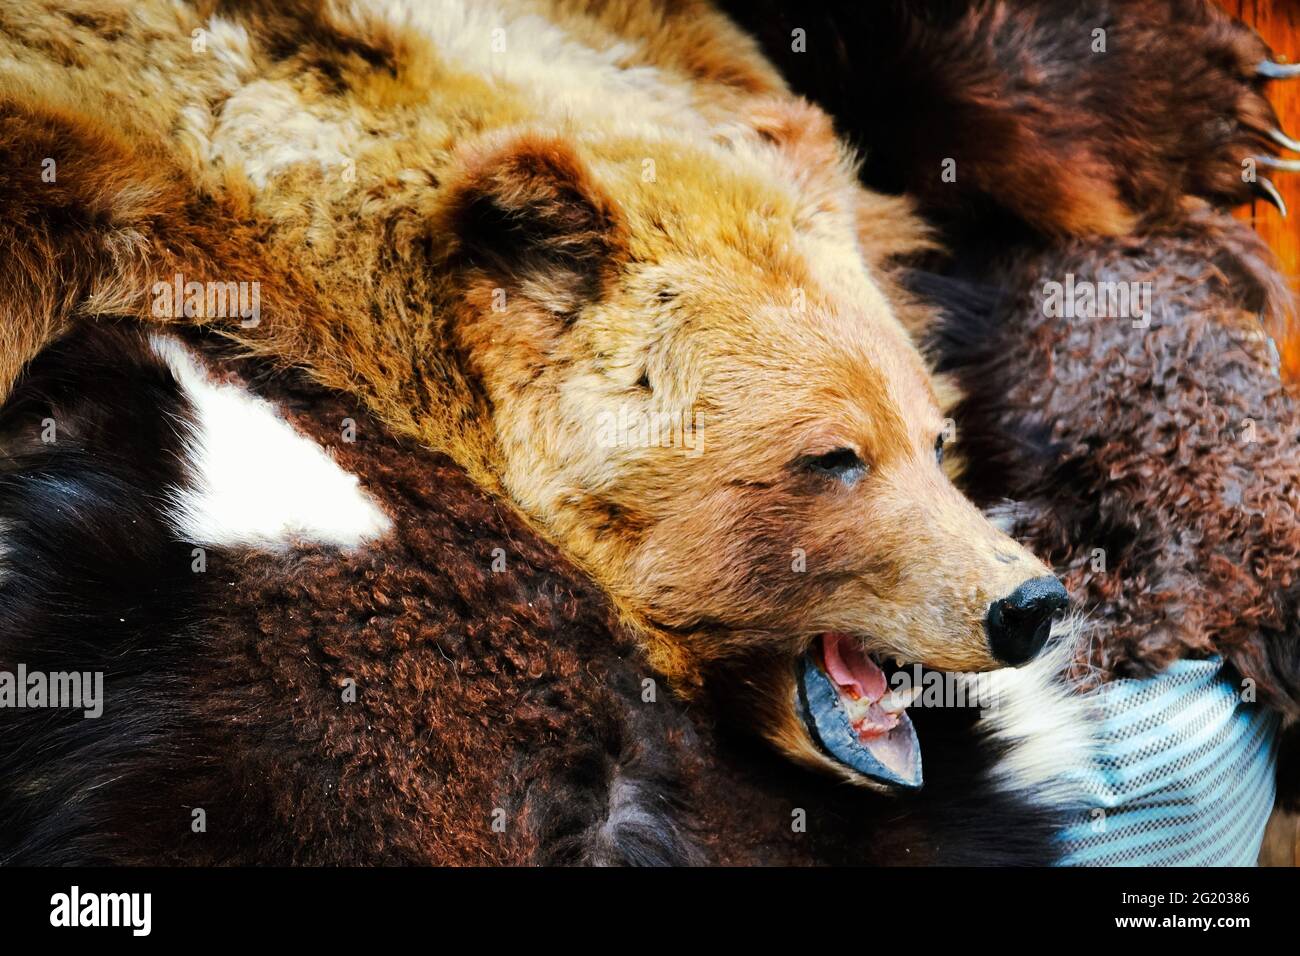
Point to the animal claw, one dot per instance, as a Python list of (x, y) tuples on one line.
[(1283, 140), (1278, 71), (1283, 165), (1266, 188)]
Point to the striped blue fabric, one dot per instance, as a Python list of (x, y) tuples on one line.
[(1184, 775)]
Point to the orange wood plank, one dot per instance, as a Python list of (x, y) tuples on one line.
[(1278, 22)]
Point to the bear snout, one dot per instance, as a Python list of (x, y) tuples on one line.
[(1018, 625)]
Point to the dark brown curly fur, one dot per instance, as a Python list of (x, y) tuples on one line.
[(476, 690), (1174, 448)]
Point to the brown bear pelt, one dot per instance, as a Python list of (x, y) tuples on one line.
[(498, 225)]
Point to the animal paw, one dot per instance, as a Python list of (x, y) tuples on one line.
[(1078, 117), (1221, 138)]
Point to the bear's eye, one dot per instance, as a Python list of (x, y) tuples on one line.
[(842, 464), (938, 449)]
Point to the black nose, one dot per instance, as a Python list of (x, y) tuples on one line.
[(1018, 625)]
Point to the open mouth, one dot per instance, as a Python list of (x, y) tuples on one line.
[(853, 714)]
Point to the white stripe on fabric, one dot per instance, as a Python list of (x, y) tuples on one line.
[(1184, 774)]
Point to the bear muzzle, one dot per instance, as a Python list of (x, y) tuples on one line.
[(1018, 625)]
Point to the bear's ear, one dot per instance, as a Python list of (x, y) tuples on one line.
[(528, 217)]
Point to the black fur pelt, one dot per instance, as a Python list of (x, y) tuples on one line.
[(91, 580)]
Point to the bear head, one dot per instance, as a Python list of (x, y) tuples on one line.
[(703, 385)]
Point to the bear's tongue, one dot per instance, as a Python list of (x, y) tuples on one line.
[(851, 668), (851, 712), (861, 685)]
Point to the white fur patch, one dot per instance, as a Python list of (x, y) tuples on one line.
[(266, 129), (230, 54), (569, 78), (254, 480), (1048, 728)]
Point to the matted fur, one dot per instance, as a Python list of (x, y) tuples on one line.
[(1175, 446)]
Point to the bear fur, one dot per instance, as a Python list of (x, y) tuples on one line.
[(1173, 445), (1056, 472), (1073, 117), (499, 224)]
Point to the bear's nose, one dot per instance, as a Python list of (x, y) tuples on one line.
[(1018, 625)]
